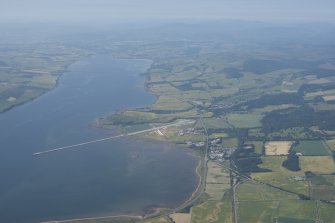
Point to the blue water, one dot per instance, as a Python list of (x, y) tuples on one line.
[(111, 177)]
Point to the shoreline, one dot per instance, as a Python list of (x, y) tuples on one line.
[(158, 210), (200, 181), (197, 190)]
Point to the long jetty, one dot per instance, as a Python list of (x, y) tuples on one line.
[(78, 145)]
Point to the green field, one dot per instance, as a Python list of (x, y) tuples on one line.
[(258, 146), (214, 123), (327, 212), (158, 220), (252, 191), (292, 220), (331, 144), (213, 211), (297, 209), (285, 211), (230, 142), (256, 211), (245, 120), (165, 103), (312, 148), (210, 212), (260, 203), (280, 176)]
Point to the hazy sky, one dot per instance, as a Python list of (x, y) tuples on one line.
[(115, 10)]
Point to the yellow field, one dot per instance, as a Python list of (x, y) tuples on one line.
[(312, 95), (317, 164), (217, 181), (319, 81), (181, 218), (331, 144), (277, 148), (211, 212), (326, 95), (329, 98), (215, 173)]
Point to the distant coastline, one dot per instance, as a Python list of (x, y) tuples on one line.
[(45, 91)]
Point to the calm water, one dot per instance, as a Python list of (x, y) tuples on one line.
[(111, 177)]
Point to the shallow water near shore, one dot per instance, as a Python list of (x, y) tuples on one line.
[(122, 176)]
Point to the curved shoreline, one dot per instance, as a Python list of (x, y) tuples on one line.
[(157, 211), (200, 181), (197, 170), (194, 194)]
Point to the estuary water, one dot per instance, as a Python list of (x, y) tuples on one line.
[(121, 176)]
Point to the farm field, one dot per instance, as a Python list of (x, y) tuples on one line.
[(212, 212), (292, 220), (217, 181), (245, 120), (328, 213), (258, 146), (215, 123), (331, 144), (253, 191), (280, 176), (264, 204), (317, 164), (256, 211), (181, 218), (277, 148), (312, 148), (158, 220)]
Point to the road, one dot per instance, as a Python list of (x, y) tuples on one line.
[(235, 184), (78, 145)]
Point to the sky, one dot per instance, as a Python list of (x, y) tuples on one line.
[(132, 10)]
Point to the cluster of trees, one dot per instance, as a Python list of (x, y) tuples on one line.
[(315, 87), (274, 99), (292, 162), (260, 66), (250, 164), (303, 116)]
